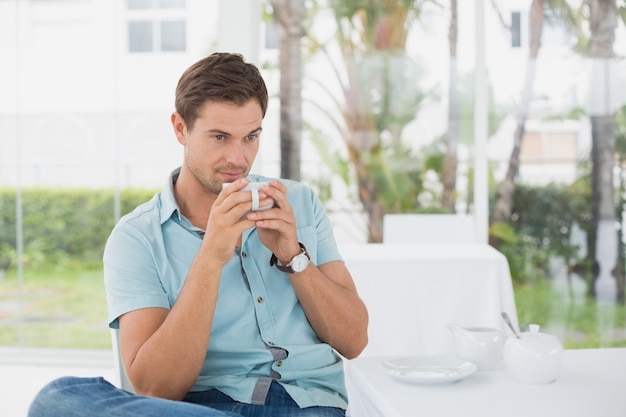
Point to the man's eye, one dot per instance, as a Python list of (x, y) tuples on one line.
[(251, 137), (219, 137)]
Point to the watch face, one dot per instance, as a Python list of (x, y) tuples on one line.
[(299, 263)]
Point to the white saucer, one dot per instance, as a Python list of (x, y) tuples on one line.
[(429, 369)]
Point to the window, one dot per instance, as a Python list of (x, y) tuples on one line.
[(554, 31), (156, 4), (173, 35), (516, 29), (156, 26), (61, 31), (271, 36), (550, 148)]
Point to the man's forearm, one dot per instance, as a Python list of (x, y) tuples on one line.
[(168, 361), (333, 307)]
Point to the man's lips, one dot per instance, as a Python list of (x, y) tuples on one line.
[(231, 176)]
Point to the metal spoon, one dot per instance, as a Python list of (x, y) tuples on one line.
[(508, 322)]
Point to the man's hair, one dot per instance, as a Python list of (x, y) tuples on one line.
[(220, 77)]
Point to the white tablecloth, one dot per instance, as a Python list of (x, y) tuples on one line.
[(591, 383), (413, 291)]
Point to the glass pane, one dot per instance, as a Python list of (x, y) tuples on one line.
[(139, 4), (75, 155), (173, 36), (271, 37), (172, 4), (403, 150), (140, 36)]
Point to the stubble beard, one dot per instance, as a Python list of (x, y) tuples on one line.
[(211, 181), (212, 185)]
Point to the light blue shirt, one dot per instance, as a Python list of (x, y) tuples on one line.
[(260, 332)]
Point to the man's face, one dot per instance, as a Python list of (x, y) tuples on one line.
[(223, 143)]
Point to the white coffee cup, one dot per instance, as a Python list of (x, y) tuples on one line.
[(254, 187)]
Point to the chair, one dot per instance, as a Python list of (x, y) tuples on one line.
[(119, 373), (428, 229)]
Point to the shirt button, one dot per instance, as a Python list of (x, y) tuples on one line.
[(270, 343), (259, 300), (244, 254), (279, 363)]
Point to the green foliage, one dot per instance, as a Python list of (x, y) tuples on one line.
[(381, 79), (378, 107), (540, 229), (504, 232), (396, 177), (371, 12), (61, 227)]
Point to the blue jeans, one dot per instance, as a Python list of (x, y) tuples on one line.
[(95, 397)]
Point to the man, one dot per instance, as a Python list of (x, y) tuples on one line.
[(218, 306)]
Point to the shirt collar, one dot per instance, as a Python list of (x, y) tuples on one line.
[(168, 201)]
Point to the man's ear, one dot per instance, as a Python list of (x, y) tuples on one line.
[(180, 127)]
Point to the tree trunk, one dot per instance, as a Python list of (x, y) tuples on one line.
[(373, 208), (504, 198), (289, 17), (362, 141), (608, 279), (448, 200)]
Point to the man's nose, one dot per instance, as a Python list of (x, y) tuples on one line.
[(235, 154)]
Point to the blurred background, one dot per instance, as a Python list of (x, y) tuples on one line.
[(511, 112)]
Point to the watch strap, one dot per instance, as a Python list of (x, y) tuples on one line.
[(287, 268)]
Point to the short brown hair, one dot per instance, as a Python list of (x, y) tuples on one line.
[(220, 77)]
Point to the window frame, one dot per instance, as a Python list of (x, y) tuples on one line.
[(157, 15)]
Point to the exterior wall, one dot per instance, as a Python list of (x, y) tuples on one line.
[(77, 109)]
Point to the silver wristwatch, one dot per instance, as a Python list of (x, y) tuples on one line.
[(297, 264)]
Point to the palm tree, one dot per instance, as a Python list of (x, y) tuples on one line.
[(380, 97), (289, 18)]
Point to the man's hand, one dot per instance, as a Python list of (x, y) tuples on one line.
[(277, 226), (227, 220)]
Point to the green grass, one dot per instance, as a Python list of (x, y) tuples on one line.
[(68, 309), (578, 321), (59, 309)]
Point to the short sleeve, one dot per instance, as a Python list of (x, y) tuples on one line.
[(130, 276)]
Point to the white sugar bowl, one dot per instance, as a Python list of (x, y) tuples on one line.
[(534, 357)]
